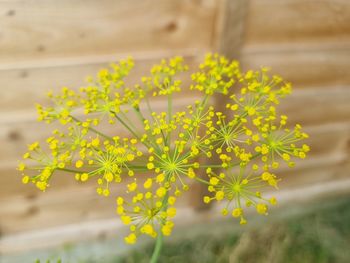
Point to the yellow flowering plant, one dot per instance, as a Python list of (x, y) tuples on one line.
[(234, 152)]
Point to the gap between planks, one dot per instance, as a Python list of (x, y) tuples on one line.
[(99, 59), (302, 47)]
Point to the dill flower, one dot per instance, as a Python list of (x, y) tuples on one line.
[(238, 149), (240, 189), (145, 214)]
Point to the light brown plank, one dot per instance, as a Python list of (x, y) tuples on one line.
[(316, 106), (302, 65), (15, 244), (22, 87), (325, 139), (73, 205), (294, 21), (318, 170), (27, 84), (19, 130), (328, 139), (230, 28), (307, 107), (54, 208), (59, 207), (47, 28)]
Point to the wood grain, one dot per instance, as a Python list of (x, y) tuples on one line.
[(302, 65), (231, 27), (12, 246), (73, 205), (63, 206), (27, 84), (315, 106), (325, 139), (54, 208), (40, 29), (308, 107), (297, 21), (19, 130), (319, 170)]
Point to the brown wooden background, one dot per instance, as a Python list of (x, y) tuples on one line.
[(46, 44)]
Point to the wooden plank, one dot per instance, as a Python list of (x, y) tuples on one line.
[(74, 205), (303, 65), (307, 107), (326, 139), (12, 185), (230, 28), (30, 210), (54, 208), (46, 28), (316, 106), (23, 246), (59, 207), (28, 84), (321, 170), (16, 134), (17, 131), (294, 21), (229, 32)]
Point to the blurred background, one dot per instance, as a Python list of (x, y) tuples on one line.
[(47, 44)]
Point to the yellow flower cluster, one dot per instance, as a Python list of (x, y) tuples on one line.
[(217, 74), (163, 81), (240, 188), (145, 212), (239, 148)]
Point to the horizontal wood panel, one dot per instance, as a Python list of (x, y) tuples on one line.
[(54, 208), (18, 134), (72, 205), (318, 170), (19, 131), (272, 21), (304, 65), (15, 247), (316, 106), (326, 139), (12, 184), (22, 87), (48, 28), (307, 107), (60, 207)]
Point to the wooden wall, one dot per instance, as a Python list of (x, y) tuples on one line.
[(45, 44), (308, 43)]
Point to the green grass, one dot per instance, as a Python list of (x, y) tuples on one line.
[(321, 235)]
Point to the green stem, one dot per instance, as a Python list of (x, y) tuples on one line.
[(201, 180), (70, 170), (125, 125), (170, 105), (93, 130), (159, 242), (139, 114), (157, 248)]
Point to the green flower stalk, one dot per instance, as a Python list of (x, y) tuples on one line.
[(238, 150)]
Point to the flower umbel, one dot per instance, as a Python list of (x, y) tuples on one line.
[(110, 133)]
